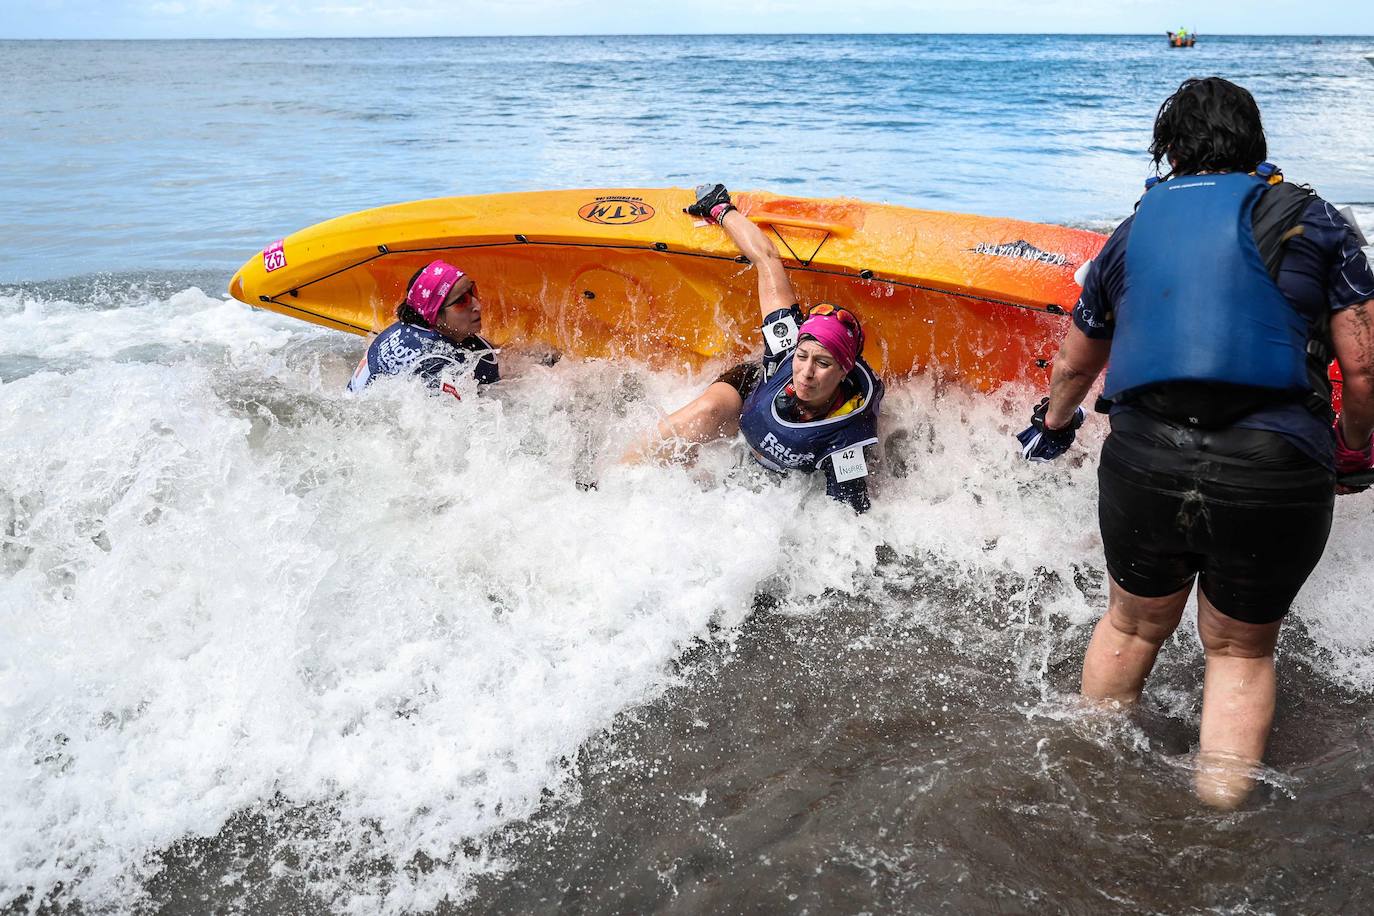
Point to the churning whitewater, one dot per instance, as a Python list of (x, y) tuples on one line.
[(231, 590)]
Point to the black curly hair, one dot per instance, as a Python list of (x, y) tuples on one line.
[(405, 311), (1209, 125)]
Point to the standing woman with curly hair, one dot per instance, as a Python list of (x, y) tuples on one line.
[(1220, 304)]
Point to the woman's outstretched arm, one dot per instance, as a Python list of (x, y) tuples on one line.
[(775, 289)]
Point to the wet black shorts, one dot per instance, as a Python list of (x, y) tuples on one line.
[(1243, 508), (744, 378)]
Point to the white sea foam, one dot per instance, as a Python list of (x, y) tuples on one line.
[(63, 331), (222, 580)]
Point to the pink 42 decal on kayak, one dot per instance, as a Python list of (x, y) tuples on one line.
[(274, 256)]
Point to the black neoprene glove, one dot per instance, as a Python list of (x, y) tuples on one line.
[(713, 202), (1039, 442)]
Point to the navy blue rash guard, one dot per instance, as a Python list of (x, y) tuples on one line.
[(1323, 268)]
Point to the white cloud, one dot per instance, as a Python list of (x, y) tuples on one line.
[(187, 7)]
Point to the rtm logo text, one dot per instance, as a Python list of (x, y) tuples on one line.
[(616, 211)]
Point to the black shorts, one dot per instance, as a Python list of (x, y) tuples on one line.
[(1244, 508), (744, 378)]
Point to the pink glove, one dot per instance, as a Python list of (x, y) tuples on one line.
[(1351, 460)]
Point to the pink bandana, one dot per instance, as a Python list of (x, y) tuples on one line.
[(427, 293), (833, 334)]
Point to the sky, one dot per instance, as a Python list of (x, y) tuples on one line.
[(349, 18)]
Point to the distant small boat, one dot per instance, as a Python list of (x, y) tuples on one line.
[(1182, 39)]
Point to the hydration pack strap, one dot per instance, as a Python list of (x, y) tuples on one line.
[(1320, 352), (1276, 219)]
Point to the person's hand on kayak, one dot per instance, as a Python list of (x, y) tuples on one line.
[(713, 202), (1351, 460), (1039, 442)]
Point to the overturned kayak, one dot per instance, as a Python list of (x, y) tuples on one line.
[(615, 273)]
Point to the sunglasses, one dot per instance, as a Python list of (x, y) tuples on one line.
[(465, 300)]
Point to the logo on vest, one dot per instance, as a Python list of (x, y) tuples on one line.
[(395, 353), (771, 447), (616, 211), (1021, 250)]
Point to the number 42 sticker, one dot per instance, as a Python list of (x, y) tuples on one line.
[(274, 256), (849, 463)]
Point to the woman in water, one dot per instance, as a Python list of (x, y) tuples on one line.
[(811, 402), (435, 333), (1215, 310)]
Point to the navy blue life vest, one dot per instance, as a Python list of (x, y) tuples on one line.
[(405, 348), (1199, 304), (781, 445)]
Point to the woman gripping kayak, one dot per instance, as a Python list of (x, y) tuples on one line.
[(811, 403)]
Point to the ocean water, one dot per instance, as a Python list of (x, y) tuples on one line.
[(267, 649)]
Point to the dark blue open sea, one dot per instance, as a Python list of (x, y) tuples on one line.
[(264, 649)]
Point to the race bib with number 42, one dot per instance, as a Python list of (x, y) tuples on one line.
[(849, 463), (781, 335)]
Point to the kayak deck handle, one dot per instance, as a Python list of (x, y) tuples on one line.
[(764, 218)]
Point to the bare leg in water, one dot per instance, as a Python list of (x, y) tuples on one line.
[(1237, 703), (1127, 640), (1238, 688)]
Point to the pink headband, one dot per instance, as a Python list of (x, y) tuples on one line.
[(835, 336), (429, 290)]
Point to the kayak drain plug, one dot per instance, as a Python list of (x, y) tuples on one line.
[(588, 294)]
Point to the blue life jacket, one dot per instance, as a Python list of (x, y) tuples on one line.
[(781, 445), (1199, 304), (406, 348)]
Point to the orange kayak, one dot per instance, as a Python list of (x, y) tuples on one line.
[(625, 273)]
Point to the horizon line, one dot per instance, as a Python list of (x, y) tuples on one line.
[(1200, 35)]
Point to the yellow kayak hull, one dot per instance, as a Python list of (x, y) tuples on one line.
[(625, 273)]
